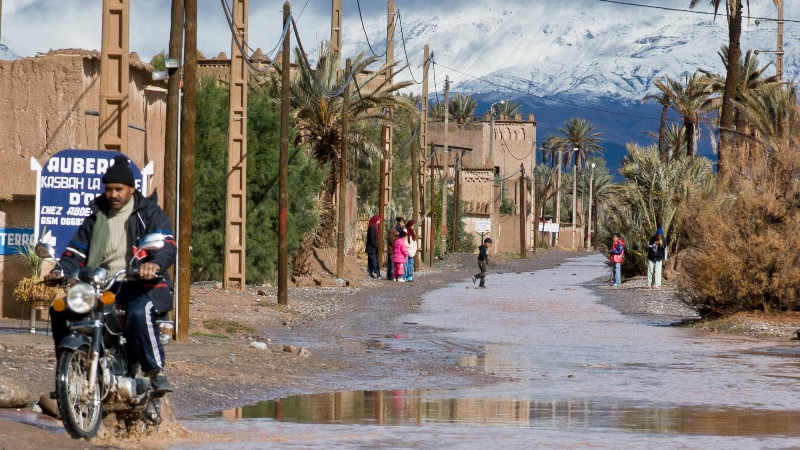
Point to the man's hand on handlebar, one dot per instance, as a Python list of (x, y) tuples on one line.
[(148, 270)]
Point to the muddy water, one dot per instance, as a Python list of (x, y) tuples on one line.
[(573, 373)]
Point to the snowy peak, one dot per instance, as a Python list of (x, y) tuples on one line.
[(7, 54)]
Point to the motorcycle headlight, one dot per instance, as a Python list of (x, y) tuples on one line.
[(80, 298)]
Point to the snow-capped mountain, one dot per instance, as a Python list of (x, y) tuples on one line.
[(592, 49), (7, 54), (585, 58)]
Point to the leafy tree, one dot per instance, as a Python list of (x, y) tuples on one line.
[(263, 135), (578, 133), (687, 99), (662, 98), (462, 107), (508, 109)]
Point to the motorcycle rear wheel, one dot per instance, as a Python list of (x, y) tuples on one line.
[(80, 411)]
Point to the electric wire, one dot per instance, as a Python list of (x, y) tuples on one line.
[(328, 92), (405, 51), (689, 10), (236, 39), (363, 27), (301, 11)]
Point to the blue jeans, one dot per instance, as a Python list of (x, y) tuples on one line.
[(389, 267), (408, 273), (373, 269), (617, 274)]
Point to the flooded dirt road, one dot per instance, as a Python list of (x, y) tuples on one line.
[(571, 372)]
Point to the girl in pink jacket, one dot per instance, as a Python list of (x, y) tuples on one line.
[(400, 256)]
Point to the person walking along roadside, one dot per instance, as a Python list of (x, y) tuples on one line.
[(656, 255), (391, 236), (400, 256), (617, 255), (483, 263), (371, 248)]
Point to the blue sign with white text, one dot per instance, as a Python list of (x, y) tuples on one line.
[(12, 240), (71, 179)]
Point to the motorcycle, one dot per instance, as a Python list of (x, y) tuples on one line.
[(93, 374)]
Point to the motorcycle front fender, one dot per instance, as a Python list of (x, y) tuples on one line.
[(74, 341)]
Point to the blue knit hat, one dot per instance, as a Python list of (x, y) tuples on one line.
[(660, 231)]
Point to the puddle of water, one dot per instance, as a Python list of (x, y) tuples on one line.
[(420, 407)]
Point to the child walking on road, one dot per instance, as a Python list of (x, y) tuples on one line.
[(400, 256), (483, 262)]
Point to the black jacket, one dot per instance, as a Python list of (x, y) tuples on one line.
[(483, 253), (656, 252), (147, 217), (372, 239)]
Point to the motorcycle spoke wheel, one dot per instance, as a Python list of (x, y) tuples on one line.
[(81, 411)]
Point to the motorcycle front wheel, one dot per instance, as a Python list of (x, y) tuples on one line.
[(81, 411)]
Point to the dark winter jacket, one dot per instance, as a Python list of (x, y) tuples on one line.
[(393, 235), (483, 253), (656, 252), (372, 235), (147, 217)]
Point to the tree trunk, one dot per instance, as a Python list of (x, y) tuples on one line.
[(662, 138), (734, 54), (689, 125)]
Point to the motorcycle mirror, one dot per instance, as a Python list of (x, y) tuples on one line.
[(99, 276), (45, 251), (153, 241)]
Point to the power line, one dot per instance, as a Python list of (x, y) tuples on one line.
[(403, 40), (691, 11), (360, 16)]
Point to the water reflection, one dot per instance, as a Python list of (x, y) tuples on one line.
[(421, 407)]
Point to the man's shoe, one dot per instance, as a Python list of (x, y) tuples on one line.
[(161, 385)]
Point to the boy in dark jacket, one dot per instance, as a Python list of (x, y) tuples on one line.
[(656, 254), (483, 262)]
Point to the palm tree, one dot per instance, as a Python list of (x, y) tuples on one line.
[(663, 99), (733, 10), (578, 133), (317, 113), (751, 77), (687, 100), (461, 108), (436, 112), (508, 109), (675, 141), (774, 114)]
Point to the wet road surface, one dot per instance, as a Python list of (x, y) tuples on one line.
[(572, 372)]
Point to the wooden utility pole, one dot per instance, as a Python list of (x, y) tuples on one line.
[(444, 164), (114, 76), (336, 27), (423, 146), (173, 110), (283, 168), (235, 261), (523, 214), (386, 141), (188, 120), (343, 174)]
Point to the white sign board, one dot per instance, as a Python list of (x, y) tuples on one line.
[(483, 226), (548, 227)]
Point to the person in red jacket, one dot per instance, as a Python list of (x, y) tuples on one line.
[(400, 256), (617, 255)]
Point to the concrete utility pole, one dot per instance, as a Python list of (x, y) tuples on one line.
[(432, 232), (235, 261), (343, 175), (114, 76), (558, 196), (779, 65), (523, 214), (173, 111), (283, 168), (386, 141), (188, 119), (456, 200), (574, 194), (444, 164), (591, 185), (419, 208), (336, 27), (534, 200)]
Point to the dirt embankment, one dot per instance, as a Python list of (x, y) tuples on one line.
[(220, 367)]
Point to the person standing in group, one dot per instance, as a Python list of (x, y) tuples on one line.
[(391, 236), (373, 269), (483, 263), (400, 256), (617, 255), (656, 255), (411, 247)]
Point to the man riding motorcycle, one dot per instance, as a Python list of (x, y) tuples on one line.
[(109, 238)]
